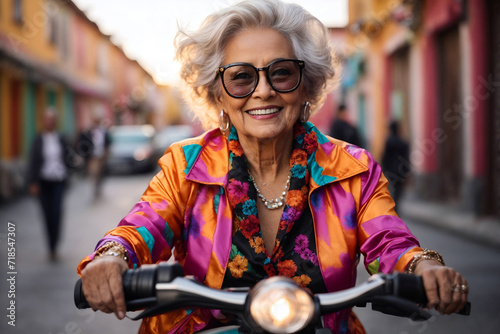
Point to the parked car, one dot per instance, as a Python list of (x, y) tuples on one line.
[(132, 149), (169, 135)]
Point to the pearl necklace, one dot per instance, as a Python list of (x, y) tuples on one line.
[(274, 203)]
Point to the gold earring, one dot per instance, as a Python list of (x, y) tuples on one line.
[(224, 122), (306, 112)]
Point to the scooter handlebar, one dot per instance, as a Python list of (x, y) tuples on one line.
[(140, 290)]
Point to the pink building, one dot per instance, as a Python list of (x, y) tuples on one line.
[(434, 66)]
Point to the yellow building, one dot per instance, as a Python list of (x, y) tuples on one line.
[(51, 54)]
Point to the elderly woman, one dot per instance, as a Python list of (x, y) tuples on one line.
[(265, 193)]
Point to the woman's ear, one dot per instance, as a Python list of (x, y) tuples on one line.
[(218, 101)]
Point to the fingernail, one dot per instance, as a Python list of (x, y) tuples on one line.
[(121, 315)]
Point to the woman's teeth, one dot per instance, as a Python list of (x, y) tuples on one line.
[(263, 111)]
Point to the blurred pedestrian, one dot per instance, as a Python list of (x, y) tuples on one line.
[(93, 145), (395, 162), (49, 167), (342, 129)]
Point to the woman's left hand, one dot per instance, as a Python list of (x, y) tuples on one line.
[(446, 289)]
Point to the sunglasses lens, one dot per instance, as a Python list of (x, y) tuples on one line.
[(240, 80), (284, 75)]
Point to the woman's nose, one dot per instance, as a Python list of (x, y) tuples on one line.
[(264, 89)]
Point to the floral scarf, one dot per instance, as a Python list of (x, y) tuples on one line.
[(249, 259)]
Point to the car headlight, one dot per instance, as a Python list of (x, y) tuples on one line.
[(279, 305), (142, 154)]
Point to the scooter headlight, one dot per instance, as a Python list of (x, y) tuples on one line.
[(278, 305)]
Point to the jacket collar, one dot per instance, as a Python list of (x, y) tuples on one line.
[(207, 158)]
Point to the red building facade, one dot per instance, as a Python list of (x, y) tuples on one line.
[(434, 67)]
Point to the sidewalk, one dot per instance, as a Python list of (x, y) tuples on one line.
[(485, 230)]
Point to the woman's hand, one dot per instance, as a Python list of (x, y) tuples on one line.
[(102, 284), (446, 289)]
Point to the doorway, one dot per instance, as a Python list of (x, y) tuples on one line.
[(451, 118)]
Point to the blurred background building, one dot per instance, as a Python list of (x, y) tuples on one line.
[(434, 66), (51, 54)]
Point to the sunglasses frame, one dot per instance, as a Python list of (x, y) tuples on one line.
[(220, 71)]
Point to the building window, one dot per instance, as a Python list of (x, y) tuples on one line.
[(80, 46), (102, 60), (52, 26), (17, 12), (64, 37), (52, 30)]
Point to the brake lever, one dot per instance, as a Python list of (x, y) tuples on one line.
[(399, 307)]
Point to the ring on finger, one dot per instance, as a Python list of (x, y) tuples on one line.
[(462, 288)]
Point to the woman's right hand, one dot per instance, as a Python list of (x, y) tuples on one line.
[(102, 284)]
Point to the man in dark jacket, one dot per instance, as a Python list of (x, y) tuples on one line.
[(93, 146), (50, 161), (343, 130), (396, 162)]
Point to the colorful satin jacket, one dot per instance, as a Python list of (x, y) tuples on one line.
[(185, 211)]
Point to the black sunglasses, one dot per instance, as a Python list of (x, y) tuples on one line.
[(241, 79)]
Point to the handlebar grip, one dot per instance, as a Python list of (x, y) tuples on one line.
[(80, 300), (411, 287), (138, 285), (466, 309)]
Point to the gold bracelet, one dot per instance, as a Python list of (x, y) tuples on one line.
[(426, 254), (112, 248)]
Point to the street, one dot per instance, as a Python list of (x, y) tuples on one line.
[(42, 292)]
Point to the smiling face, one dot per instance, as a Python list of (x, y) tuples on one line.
[(265, 114)]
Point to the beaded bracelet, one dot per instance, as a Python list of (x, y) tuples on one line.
[(426, 254), (112, 248)]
